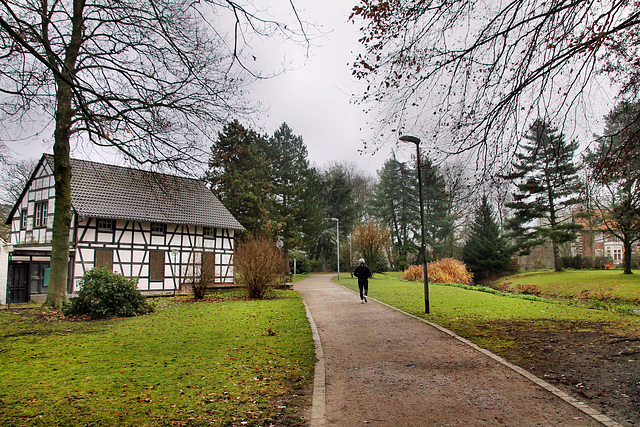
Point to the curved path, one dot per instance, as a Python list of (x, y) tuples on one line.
[(383, 367)]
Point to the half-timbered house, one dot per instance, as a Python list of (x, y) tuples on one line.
[(162, 229)]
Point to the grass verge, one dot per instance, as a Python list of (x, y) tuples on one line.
[(602, 285), (228, 362), (487, 318)]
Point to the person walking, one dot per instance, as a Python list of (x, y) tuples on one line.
[(362, 272)]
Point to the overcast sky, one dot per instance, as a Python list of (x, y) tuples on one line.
[(314, 98)]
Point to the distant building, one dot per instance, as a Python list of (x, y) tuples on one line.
[(159, 228), (596, 241)]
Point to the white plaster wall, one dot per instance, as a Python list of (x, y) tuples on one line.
[(4, 270)]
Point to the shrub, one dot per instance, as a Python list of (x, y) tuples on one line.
[(302, 262), (258, 262), (539, 264), (106, 294), (445, 270), (201, 282), (413, 273)]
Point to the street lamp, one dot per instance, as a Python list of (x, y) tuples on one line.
[(337, 241), (279, 245), (414, 140)]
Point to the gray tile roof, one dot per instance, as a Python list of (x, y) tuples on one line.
[(116, 192)]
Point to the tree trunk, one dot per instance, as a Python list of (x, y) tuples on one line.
[(627, 257), (58, 275), (557, 262)]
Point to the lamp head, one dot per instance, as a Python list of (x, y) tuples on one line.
[(409, 138)]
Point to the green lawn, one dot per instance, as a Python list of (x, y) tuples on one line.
[(476, 315), (597, 284), (204, 363)]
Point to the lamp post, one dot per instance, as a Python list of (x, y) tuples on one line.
[(337, 241), (414, 140), (279, 245)]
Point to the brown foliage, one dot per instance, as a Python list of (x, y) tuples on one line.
[(370, 238), (445, 270), (258, 262)]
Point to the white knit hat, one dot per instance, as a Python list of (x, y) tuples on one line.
[(361, 261)]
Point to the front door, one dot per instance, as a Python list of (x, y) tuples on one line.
[(19, 288)]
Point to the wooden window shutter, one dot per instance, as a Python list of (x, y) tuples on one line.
[(104, 257), (156, 266), (209, 266)]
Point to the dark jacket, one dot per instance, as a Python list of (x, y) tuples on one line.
[(362, 272)]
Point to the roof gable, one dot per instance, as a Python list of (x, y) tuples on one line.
[(116, 192)]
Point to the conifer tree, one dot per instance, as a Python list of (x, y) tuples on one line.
[(486, 253), (394, 202), (239, 177), (438, 216), (547, 184), (298, 215)]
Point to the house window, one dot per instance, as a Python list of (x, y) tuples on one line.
[(617, 254), (23, 219), (104, 257), (41, 214), (158, 228), (209, 232), (156, 266), (105, 224)]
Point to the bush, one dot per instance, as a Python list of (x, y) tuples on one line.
[(577, 262), (106, 294), (413, 273), (202, 281), (445, 270), (302, 262), (258, 262), (400, 263)]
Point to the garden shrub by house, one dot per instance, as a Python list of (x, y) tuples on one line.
[(106, 294)]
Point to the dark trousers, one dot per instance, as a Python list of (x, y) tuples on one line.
[(363, 285)]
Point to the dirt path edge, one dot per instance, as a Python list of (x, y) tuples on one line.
[(318, 414)]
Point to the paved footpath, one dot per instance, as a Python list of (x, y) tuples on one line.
[(382, 367)]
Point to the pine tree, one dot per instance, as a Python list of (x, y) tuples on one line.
[(394, 202), (486, 253), (298, 215), (547, 184), (239, 177), (437, 209)]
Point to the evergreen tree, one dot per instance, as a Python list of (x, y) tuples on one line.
[(297, 214), (438, 216), (547, 183), (340, 202), (394, 202), (239, 176), (486, 253)]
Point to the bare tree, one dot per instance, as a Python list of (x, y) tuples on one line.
[(15, 173), (471, 76), (147, 77)]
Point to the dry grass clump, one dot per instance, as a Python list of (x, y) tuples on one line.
[(445, 270)]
